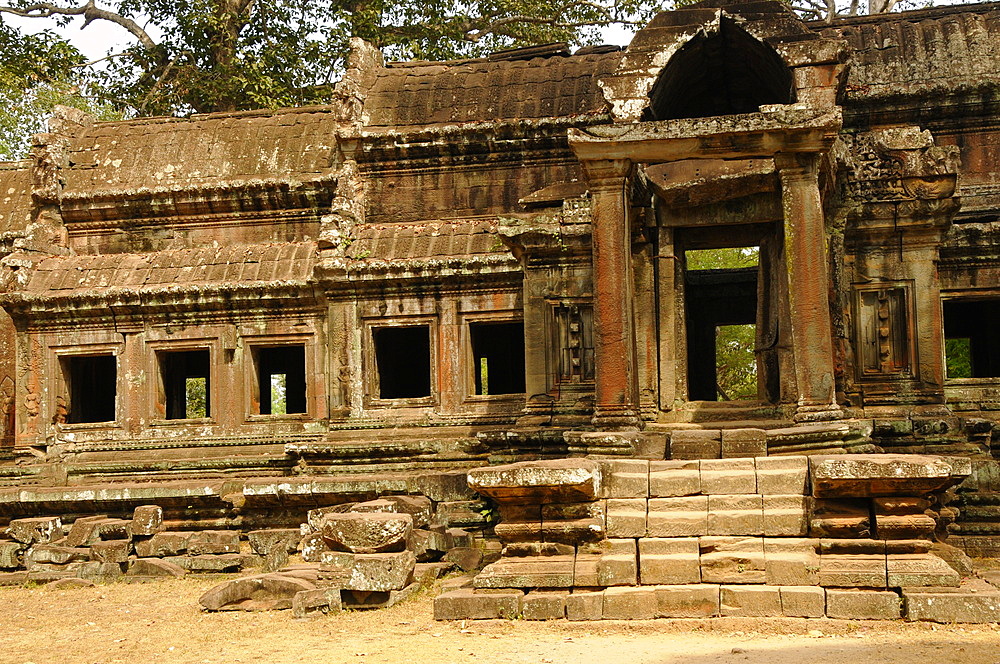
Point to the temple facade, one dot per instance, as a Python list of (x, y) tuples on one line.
[(458, 263)]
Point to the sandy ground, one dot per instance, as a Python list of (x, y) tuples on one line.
[(160, 622)]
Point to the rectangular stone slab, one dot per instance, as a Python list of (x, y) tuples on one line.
[(868, 475), (555, 481)]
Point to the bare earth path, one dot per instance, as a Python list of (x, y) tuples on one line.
[(160, 622)]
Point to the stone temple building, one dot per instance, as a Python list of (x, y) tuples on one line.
[(458, 263)]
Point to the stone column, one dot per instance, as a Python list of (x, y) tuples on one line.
[(806, 266), (616, 382)]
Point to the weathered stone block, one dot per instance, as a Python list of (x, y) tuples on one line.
[(782, 475), (519, 532), (33, 530), (909, 526), (556, 481), (576, 531), (544, 605), (320, 601), (630, 603), (265, 592), (213, 542), (312, 546), (56, 555), (617, 566), (899, 505), (463, 513), (418, 507), (154, 567), (626, 517), (732, 559), (12, 554), (81, 532), (854, 546), (585, 570), (677, 517), (926, 569), (974, 602), (381, 572), (728, 476), (466, 558), (840, 519), (163, 544), (687, 601), (791, 561), (528, 572), (751, 601), (466, 604), (112, 551), (742, 443), (803, 601), (100, 572), (263, 542), (695, 444), (669, 561), (786, 516), (624, 478), (223, 562), (736, 515), (71, 583), (852, 570), (573, 511), (375, 532), (865, 475), (146, 520), (668, 479), (853, 604), (583, 605)]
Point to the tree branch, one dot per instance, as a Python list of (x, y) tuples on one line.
[(90, 12)]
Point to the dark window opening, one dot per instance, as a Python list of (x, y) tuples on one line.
[(574, 332), (972, 346), (722, 73), (498, 357), (92, 385), (186, 383), (403, 361), (281, 380), (721, 305)]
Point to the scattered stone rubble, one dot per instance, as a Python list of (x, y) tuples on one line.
[(845, 536), (363, 555)]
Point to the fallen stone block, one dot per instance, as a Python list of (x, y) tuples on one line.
[(374, 532), (213, 542), (528, 572), (223, 562), (381, 572), (668, 479), (267, 592), (466, 559), (803, 601), (544, 605), (12, 554), (536, 482), (630, 603), (262, 542), (750, 601), (111, 551), (425, 573), (363, 600), (146, 520), (99, 572), (732, 560), (154, 567), (69, 583), (975, 601), (687, 601), (428, 545), (467, 604), (867, 475), (669, 561), (13, 578), (418, 507), (853, 604), (463, 513), (81, 532), (312, 546), (677, 517), (320, 601), (35, 530), (728, 476), (56, 555), (163, 544)]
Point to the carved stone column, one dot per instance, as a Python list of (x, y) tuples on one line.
[(808, 286), (616, 382)]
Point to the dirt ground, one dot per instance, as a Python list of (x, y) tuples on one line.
[(161, 622)]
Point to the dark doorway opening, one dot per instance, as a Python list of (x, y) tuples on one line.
[(92, 383), (498, 357), (972, 344), (720, 288), (281, 380), (403, 361), (185, 375)]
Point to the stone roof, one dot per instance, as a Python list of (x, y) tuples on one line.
[(203, 151), (942, 49), (452, 239), (484, 90), (247, 264), (15, 196)]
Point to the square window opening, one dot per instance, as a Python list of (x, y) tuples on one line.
[(972, 349), (403, 361), (186, 381), (92, 386), (498, 357), (281, 380)]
